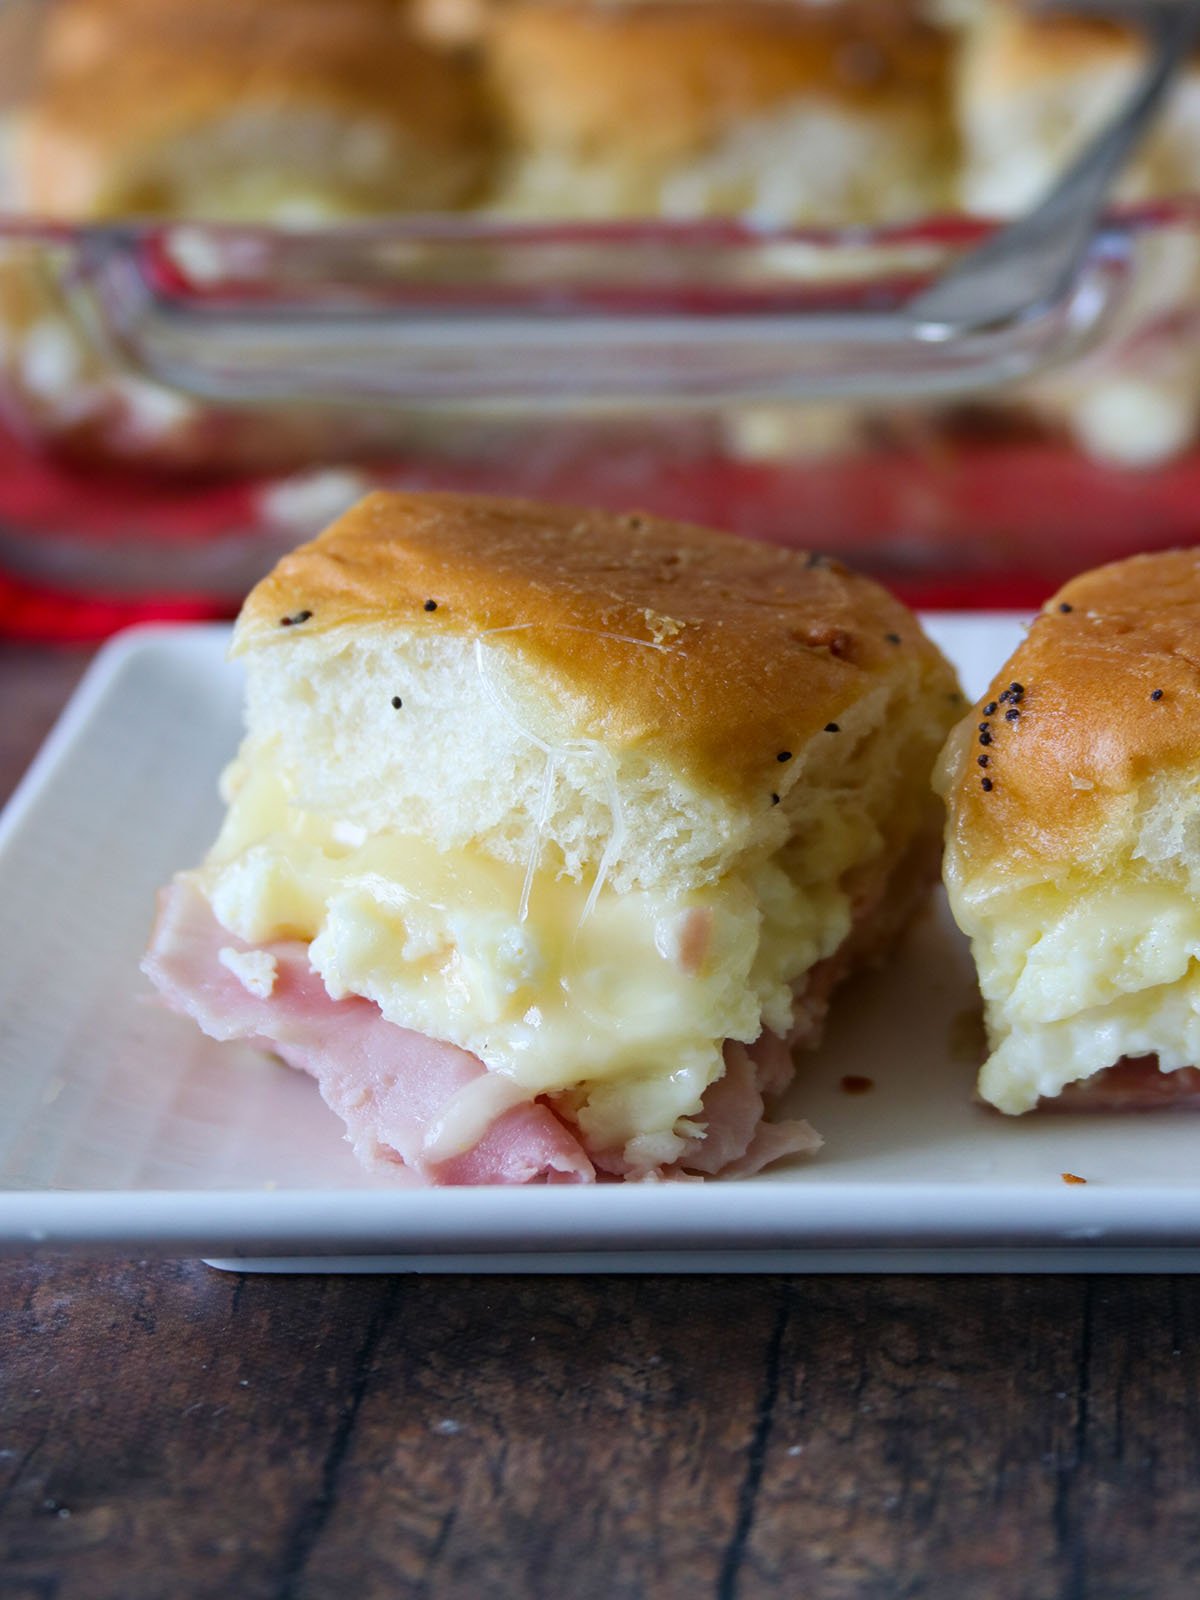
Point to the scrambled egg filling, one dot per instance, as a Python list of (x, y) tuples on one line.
[(1076, 976), (629, 999)]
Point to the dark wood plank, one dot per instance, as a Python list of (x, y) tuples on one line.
[(164, 1429), (1023, 1437), (1130, 1505), (548, 1437), (925, 1432), (173, 1432)]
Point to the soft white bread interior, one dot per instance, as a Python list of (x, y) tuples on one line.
[(295, 112), (788, 112), (1073, 857), (584, 794), (683, 660)]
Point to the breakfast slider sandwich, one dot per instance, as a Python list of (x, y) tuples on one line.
[(1073, 843), (239, 110), (780, 111), (553, 830), (788, 113), (288, 112)]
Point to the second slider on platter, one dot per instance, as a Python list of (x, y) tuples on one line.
[(1073, 844), (553, 830)]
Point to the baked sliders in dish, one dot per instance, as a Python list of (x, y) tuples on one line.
[(833, 113), (553, 830), (1073, 843), (239, 111)]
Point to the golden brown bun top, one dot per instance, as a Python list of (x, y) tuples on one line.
[(467, 21), (1090, 730), (80, 32), (755, 648), (666, 79), (119, 73), (1014, 50)]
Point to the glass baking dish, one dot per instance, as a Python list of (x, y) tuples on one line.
[(180, 402)]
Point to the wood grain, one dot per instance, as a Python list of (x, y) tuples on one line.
[(171, 1433)]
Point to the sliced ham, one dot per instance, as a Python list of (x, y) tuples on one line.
[(737, 1142), (733, 1139), (424, 1103), (1135, 1083), (390, 1086), (736, 1139)]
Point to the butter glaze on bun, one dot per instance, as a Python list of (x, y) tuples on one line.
[(692, 658), (1076, 874)]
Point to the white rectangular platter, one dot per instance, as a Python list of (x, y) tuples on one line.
[(122, 1129)]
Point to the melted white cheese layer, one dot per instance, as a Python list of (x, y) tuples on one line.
[(1076, 976), (626, 1004)]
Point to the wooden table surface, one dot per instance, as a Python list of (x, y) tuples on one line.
[(171, 1433)]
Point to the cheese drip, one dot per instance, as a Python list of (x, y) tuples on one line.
[(625, 1000)]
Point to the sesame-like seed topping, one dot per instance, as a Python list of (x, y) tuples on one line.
[(784, 755), (833, 727), (984, 726), (1064, 607), (1016, 690), (290, 622), (396, 702), (983, 760), (1011, 716), (1156, 694), (431, 605), (985, 737), (990, 709), (987, 785)]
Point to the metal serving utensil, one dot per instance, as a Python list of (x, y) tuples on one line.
[(1032, 262)]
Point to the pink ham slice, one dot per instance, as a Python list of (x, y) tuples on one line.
[(390, 1086), (1135, 1083), (737, 1141)]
